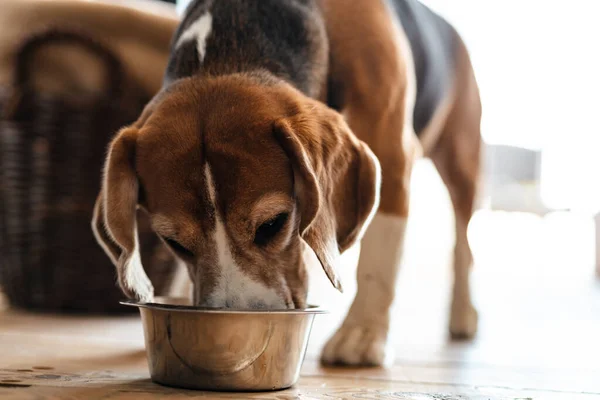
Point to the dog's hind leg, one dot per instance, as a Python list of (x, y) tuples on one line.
[(457, 157)]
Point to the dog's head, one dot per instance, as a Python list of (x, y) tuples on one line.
[(237, 174)]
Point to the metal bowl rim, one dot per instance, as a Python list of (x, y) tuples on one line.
[(311, 309)]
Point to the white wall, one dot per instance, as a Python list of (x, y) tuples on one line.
[(538, 65)]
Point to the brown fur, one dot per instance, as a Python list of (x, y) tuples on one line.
[(378, 89), (457, 157), (246, 131), (378, 79), (378, 97), (271, 149)]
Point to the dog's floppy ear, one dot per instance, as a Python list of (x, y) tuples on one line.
[(337, 180), (114, 222)]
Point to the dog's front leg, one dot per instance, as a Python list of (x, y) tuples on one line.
[(371, 56), (362, 338)]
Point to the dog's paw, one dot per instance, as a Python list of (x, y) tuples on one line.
[(463, 321), (358, 345)]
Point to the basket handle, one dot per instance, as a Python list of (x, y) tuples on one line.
[(26, 52)]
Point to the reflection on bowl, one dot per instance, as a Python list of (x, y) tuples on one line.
[(224, 349)]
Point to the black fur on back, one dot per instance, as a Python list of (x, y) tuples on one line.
[(433, 43), (285, 37)]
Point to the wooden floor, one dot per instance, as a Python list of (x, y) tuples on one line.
[(535, 289)]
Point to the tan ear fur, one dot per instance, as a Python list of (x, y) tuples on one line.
[(337, 181), (112, 250), (114, 222)]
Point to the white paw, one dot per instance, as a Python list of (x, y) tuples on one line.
[(463, 321), (358, 345)]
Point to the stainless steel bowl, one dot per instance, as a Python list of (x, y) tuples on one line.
[(222, 349)]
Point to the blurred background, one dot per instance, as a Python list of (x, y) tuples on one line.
[(537, 71)]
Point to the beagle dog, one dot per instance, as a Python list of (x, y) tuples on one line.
[(290, 123)]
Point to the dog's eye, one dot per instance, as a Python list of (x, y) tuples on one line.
[(178, 248), (269, 229)]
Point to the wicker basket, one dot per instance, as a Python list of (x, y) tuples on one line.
[(52, 149)]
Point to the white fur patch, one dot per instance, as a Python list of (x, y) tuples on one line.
[(235, 289), (198, 31), (136, 279), (363, 337), (181, 286), (380, 258), (210, 186)]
